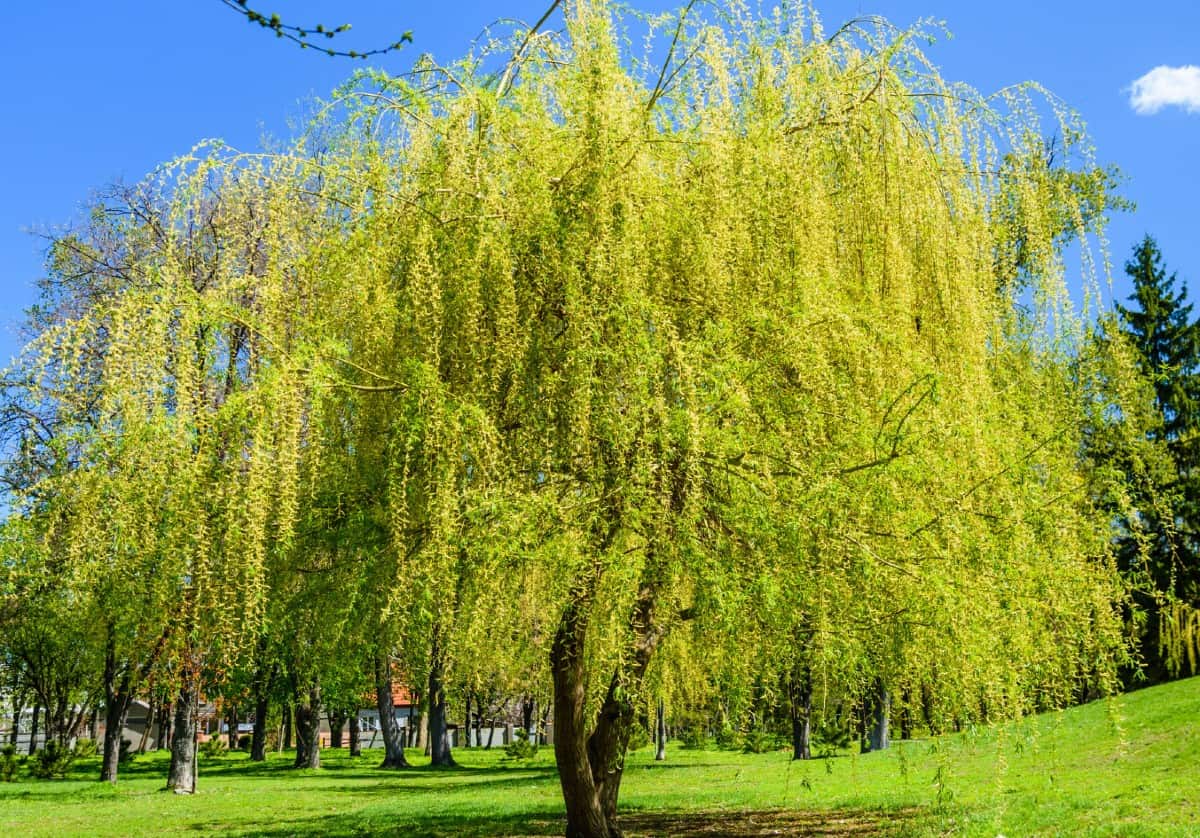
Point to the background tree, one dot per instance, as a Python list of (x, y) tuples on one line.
[(1162, 550)]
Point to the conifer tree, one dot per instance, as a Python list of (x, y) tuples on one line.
[(1166, 342)]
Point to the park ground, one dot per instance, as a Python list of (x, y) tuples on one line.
[(1128, 766)]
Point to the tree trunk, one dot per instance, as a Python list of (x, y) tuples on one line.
[(529, 719), (182, 775), (439, 737), (355, 740), (116, 709), (117, 696), (232, 721), (308, 727), (166, 718), (660, 732), (423, 732), (465, 740), (18, 704), (585, 817), (34, 730), (878, 737), (258, 738), (393, 736), (491, 733), (285, 739), (337, 723), (801, 701), (147, 727), (94, 724)]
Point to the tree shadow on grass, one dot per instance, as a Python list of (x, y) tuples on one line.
[(845, 823)]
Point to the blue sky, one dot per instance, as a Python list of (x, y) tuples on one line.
[(97, 92)]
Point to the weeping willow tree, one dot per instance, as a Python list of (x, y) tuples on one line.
[(594, 363)]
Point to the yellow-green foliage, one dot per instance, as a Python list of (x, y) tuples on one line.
[(743, 333)]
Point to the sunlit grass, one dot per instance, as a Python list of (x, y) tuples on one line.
[(1125, 767)]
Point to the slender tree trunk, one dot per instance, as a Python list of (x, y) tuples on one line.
[(147, 727), (18, 704), (529, 718), (878, 737), (258, 738), (355, 738), (182, 774), (660, 732), (94, 724), (491, 733), (801, 695), (423, 731), (166, 724), (308, 726), (439, 737), (286, 738), (393, 736), (337, 723), (115, 712), (33, 733), (117, 696), (232, 721)]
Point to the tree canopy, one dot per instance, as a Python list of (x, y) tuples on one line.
[(709, 366)]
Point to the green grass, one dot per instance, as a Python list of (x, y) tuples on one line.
[(1125, 767)]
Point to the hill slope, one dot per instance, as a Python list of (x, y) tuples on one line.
[(1129, 767)]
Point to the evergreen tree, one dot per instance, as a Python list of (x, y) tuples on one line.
[(1166, 344)]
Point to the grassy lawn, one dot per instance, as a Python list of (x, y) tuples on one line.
[(1125, 767)]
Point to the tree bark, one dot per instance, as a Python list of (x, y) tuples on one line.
[(18, 704), (337, 723), (660, 732), (258, 738), (147, 728), (393, 736), (232, 722), (308, 726), (585, 817), (801, 690), (465, 740), (34, 730), (166, 716), (117, 696), (439, 737), (181, 777), (285, 739), (529, 719), (878, 737), (355, 740)]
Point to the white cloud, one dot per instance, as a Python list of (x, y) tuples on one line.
[(1165, 86)]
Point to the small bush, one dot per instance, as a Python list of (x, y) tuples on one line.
[(693, 736), (727, 737), (214, 747), (54, 760), (9, 763), (126, 755), (832, 736), (521, 747), (85, 748), (759, 741), (639, 737), (244, 742)]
